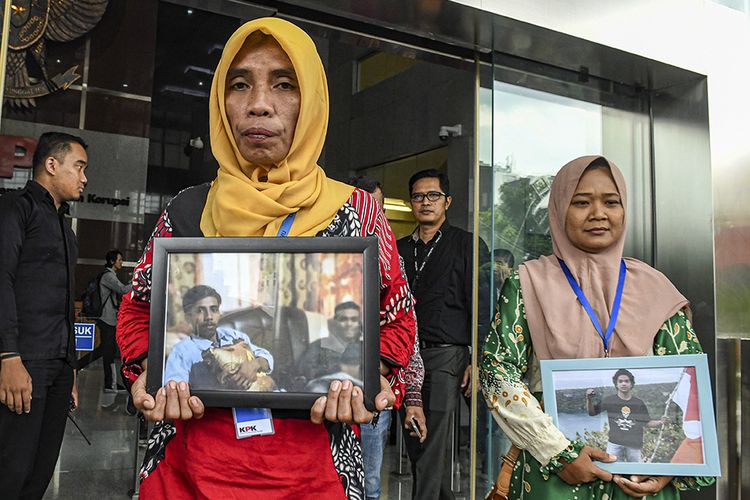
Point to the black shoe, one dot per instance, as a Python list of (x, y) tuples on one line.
[(130, 408), (142, 431)]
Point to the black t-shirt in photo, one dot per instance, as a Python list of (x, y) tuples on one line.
[(627, 418)]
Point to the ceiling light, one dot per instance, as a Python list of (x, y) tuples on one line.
[(396, 204), (198, 69)]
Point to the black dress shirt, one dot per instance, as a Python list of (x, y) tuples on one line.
[(38, 253), (442, 288)]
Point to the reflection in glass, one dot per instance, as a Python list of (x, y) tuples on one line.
[(264, 322), (534, 134)]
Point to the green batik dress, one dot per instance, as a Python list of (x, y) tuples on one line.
[(507, 359)]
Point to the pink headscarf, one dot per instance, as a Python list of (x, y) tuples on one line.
[(559, 325)]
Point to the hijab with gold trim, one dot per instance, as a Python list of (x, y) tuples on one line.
[(559, 326), (239, 203)]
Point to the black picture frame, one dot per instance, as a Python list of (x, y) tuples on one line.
[(165, 249)]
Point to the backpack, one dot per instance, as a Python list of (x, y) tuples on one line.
[(92, 297)]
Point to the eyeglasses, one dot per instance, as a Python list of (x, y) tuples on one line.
[(432, 196)]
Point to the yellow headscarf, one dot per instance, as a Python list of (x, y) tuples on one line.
[(238, 203)]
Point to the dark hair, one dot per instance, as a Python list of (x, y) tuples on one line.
[(504, 255), (55, 144), (621, 372), (445, 184), (346, 305), (600, 162), (197, 293), (365, 183), (111, 257)]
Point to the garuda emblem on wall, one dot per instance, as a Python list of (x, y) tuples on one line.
[(32, 24)]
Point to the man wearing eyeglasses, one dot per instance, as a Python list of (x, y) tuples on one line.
[(438, 261)]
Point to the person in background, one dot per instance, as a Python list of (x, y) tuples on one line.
[(375, 188), (111, 291), (374, 437), (38, 253), (438, 259), (503, 263)]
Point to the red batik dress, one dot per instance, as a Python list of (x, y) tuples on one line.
[(202, 458)]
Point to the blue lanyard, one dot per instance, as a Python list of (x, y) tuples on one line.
[(286, 225), (590, 311)]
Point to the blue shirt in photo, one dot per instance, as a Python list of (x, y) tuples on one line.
[(189, 351)]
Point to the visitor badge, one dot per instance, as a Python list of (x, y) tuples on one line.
[(250, 422)]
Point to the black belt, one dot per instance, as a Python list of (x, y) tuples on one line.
[(426, 344)]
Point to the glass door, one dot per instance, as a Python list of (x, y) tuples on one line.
[(529, 127)]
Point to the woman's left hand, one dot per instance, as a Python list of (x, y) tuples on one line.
[(641, 486), (345, 403)]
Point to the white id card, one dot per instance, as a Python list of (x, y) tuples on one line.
[(250, 422)]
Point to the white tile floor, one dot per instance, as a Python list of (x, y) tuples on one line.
[(104, 469)]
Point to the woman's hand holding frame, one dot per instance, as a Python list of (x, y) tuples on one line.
[(583, 470)]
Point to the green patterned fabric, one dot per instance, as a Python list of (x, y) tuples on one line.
[(506, 358)]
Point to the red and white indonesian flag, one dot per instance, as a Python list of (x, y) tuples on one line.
[(686, 397)]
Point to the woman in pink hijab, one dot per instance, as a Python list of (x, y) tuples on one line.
[(540, 317)]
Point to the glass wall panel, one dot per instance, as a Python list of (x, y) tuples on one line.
[(534, 134), (526, 136)]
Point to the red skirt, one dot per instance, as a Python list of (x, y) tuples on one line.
[(205, 460)]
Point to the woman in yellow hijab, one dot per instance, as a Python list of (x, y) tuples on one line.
[(268, 120), (252, 199)]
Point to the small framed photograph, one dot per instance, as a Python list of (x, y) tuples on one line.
[(654, 413), (265, 322)]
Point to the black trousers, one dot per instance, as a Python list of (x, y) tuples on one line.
[(30, 442), (431, 461), (109, 351)]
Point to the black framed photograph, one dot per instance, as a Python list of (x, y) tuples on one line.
[(654, 413), (265, 322)]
